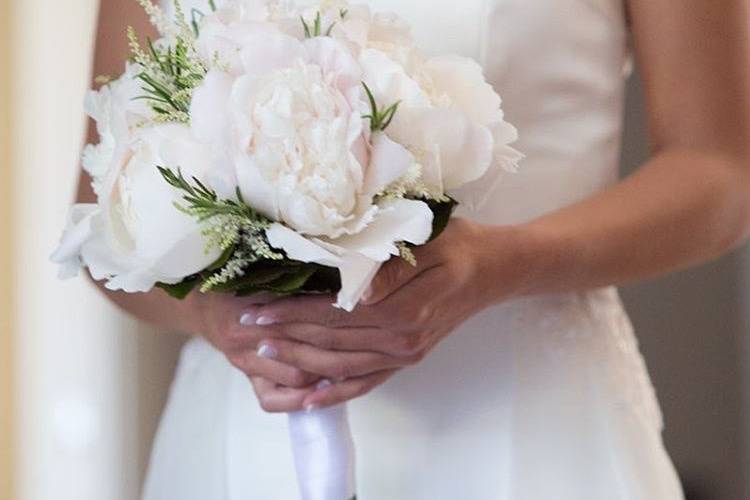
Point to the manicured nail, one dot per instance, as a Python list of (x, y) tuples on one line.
[(323, 384), (311, 408), (268, 352), (264, 321), (247, 319)]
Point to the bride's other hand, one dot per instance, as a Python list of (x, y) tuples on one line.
[(221, 319), (406, 313)]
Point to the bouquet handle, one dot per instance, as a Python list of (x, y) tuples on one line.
[(323, 453)]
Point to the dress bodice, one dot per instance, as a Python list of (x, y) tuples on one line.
[(536, 398)]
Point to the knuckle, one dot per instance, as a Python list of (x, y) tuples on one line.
[(411, 315), (232, 337), (423, 314), (238, 360), (413, 347), (406, 345), (264, 402)]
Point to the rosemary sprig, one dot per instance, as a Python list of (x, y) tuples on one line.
[(168, 76), (379, 119), (203, 202), (316, 28)]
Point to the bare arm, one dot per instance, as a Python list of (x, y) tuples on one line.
[(691, 202)]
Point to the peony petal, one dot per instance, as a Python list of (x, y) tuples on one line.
[(209, 115), (336, 61), (265, 52), (462, 80), (77, 233), (399, 220), (258, 192), (357, 273), (297, 247), (389, 161), (389, 82), (464, 149), (186, 257)]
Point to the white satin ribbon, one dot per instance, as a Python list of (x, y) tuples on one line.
[(323, 453)]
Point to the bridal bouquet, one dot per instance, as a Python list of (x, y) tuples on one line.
[(268, 147)]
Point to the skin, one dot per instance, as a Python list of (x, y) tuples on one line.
[(690, 203)]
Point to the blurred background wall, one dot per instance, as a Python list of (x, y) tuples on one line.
[(694, 331), (89, 383), (5, 259), (86, 377)]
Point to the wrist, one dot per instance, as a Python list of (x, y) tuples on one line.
[(519, 260)]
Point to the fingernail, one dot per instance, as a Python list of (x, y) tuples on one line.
[(264, 321), (311, 408), (323, 384), (247, 319), (268, 352)]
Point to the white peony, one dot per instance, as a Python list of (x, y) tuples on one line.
[(303, 155), (116, 112), (450, 118), (134, 237)]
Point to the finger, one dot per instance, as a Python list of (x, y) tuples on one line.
[(341, 339), (318, 310), (278, 399), (253, 365), (341, 392), (336, 365), (392, 277)]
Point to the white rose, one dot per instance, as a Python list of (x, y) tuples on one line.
[(135, 237)]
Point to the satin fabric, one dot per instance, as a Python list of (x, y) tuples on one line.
[(538, 398)]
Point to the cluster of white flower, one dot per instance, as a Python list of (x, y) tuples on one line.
[(326, 122)]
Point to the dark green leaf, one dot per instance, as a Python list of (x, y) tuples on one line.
[(442, 212), (180, 290), (291, 282)]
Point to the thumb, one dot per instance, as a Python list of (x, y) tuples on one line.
[(392, 276)]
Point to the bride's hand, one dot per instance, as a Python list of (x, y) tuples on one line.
[(406, 313), (221, 319)]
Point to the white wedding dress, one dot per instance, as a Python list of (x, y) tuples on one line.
[(543, 398)]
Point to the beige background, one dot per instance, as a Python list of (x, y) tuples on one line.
[(5, 258), (89, 383)]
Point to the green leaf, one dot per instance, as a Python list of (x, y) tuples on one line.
[(442, 212), (291, 282), (252, 278), (287, 284), (325, 280), (222, 260), (180, 290)]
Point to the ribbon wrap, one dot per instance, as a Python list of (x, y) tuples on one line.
[(323, 453)]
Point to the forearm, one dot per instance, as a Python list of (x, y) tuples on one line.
[(680, 209), (159, 309)]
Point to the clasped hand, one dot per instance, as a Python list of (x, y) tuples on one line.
[(302, 353)]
